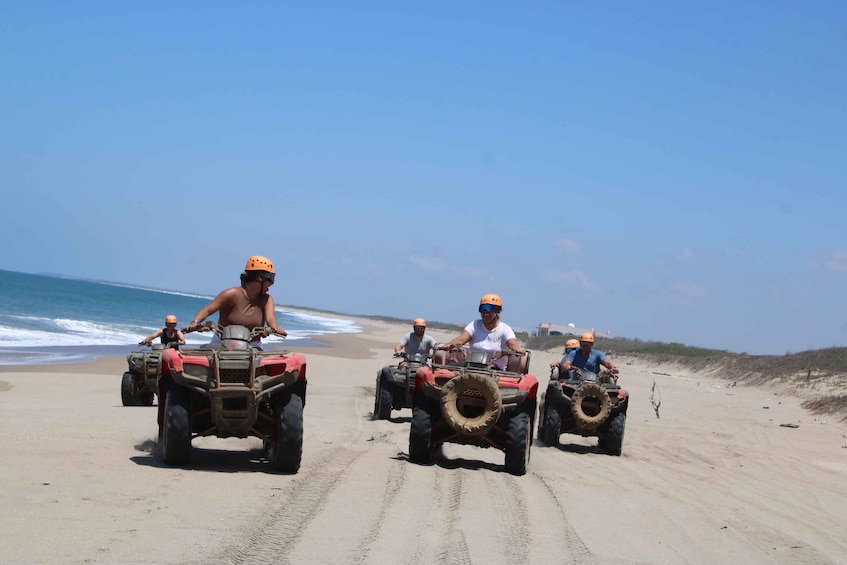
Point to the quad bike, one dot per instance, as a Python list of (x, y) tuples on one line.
[(463, 399), (233, 389), (584, 404), (140, 382), (395, 385)]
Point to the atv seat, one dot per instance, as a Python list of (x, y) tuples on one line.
[(454, 357), (518, 364)]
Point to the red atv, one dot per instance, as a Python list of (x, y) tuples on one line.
[(233, 389), (463, 399)]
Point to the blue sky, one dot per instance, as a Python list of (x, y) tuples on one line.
[(656, 169)]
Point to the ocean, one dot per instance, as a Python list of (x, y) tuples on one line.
[(52, 319)]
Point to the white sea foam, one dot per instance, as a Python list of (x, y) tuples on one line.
[(332, 325)]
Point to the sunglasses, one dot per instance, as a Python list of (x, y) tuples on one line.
[(170, 325), (268, 277), (487, 308)]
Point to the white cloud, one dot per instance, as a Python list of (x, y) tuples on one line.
[(569, 245), (428, 263), (687, 256), (836, 261), (577, 278)]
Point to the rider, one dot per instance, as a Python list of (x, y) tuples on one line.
[(570, 345), (416, 342), (247, 305), (586, 358), (169, 334), (488, 334)]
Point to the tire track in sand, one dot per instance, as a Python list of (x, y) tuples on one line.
[(515, 535), (270, 538), (576, 547), (393, 484), (455, 547)]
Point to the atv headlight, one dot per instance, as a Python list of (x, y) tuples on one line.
[(195, 370)]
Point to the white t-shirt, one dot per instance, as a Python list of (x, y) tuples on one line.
[(490, 341)]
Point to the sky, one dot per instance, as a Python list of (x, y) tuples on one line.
[(657, 170)]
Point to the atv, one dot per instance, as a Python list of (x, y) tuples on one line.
[(586, 404), (395, 385), (140, 382), (233, 389), (463, 399)]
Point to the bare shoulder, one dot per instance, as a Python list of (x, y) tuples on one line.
[(229, 295)]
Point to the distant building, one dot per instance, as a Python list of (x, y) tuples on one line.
[(542, 330)]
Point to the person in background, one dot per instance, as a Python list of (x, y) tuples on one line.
[(247, 305), (488, 334), (586, 358), (570, 345), (415, 342), (169, 334)]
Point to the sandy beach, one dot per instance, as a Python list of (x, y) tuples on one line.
[(716, 479)]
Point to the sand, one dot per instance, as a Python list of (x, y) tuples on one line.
[(716, 479)]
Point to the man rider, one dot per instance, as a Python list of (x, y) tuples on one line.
[(416, 342), (586, 358)]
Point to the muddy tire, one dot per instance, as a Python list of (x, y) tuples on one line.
[(127, 396), (518, 443), (552, 426), (176, 432), (614, 441), (288, 452), (590, 405), (487, 388), (420, 437)]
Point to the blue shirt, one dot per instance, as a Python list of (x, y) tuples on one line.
[(590, 363)]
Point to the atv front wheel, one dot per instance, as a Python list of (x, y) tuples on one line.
[(384, 399), (552, 427), (420, 437), (614, 441), (127, 396), (288, 451), (176, 435), (518, 443)]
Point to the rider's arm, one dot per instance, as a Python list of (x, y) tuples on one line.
[(149, 339), (270, 317), (223, 298), (462, 339), (608, 364), (513, 344), (180, 337), (567, 360), (399, 347)]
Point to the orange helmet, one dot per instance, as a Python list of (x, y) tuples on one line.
[(572, 343), (587, 336), (259, 263), (170, 319), (492, 299), (419, 322)]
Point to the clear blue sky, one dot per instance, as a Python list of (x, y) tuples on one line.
[(658, 170)]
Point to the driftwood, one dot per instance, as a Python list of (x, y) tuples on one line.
[(655, 398)]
